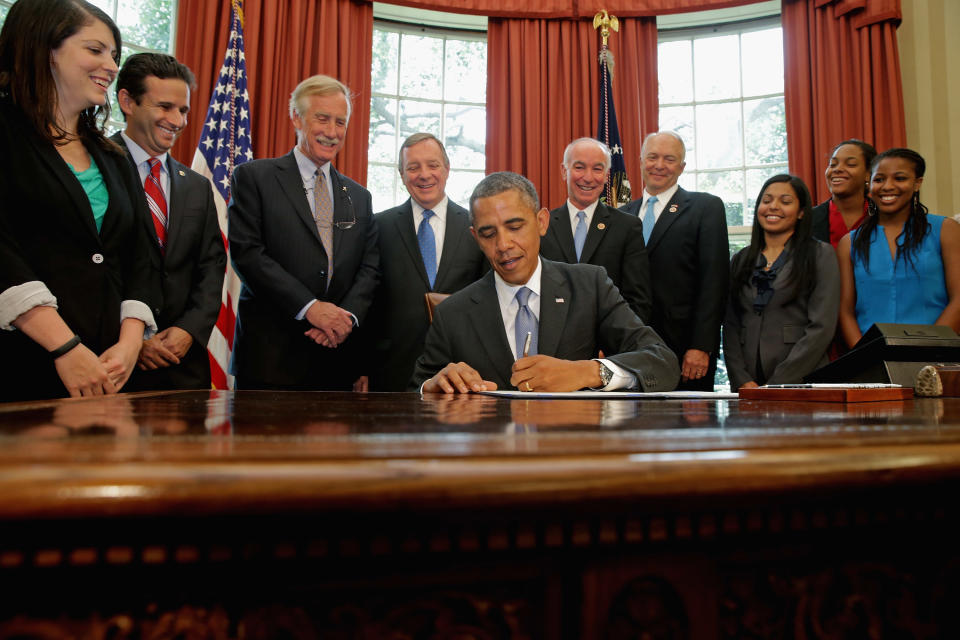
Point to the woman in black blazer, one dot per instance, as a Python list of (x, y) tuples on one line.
[(784, 295), (75, 282)]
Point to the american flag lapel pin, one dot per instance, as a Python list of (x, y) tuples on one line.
[(558, 300)]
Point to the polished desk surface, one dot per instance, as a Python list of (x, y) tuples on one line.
[(208, 452)]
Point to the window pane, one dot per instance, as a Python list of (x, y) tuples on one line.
[(419, 116), (146, 23), (466, 63), (380, 183), (716, 64), (4, 9), (762, 62), (420, 81), (460, 185), (420, 66), (680, 120), (766, 130), (727, 185), (383, 133), (466, 136), (674, 73), (719, 135), (386, 51)]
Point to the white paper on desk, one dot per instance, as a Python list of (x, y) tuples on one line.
[(618, 395)]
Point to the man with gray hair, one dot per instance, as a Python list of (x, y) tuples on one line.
[(586, 230), (533, 324), (304, 243), (686, 234), (425, 246)]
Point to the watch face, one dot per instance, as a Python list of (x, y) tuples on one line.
[(605, 374)]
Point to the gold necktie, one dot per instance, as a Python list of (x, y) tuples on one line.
[(323, 216)]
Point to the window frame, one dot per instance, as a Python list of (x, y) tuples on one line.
[(446, 33), (735, 27)]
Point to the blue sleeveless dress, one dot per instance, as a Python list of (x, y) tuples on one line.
[(911, 293)]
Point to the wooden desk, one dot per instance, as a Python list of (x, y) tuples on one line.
[(264, 514)]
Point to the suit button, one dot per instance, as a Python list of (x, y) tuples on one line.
[(97, 258)]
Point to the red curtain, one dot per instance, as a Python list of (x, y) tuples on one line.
[(842, 80), (285, 42), (542, 87)]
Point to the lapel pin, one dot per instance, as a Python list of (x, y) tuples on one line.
[(182, 174), (673, 208), (558, 300), (601, 226)]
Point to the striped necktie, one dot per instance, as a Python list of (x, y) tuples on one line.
[(156, 202)]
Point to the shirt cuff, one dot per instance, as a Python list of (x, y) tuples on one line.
[(621, 379), (303, 312), (19, 299), (139, 311)]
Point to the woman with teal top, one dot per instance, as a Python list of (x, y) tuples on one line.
[(75, 283), (902, 265)]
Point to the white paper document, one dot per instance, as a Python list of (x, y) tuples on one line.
[(617, 395)]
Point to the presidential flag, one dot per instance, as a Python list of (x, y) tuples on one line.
[(225, 143), (617, 192)]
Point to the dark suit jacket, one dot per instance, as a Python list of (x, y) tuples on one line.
[(190, 274), (581, 312), (690, 269), (821, 222), (615, 242), (276, 251), (399, 320), (792, 336), (48, 234)]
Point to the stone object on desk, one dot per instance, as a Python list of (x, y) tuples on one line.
[(938, 380)]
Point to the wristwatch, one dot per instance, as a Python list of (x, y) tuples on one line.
[(606, 374)]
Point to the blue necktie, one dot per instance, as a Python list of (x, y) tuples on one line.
[(526, 323), (580, 233), (649, 219), (428, 246)]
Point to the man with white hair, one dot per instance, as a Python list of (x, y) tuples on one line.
[(686, 237), (586, 231), (304, 242)]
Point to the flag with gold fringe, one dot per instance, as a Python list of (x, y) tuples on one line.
[(617, 192)]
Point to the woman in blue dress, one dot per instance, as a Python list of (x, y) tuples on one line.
[(902, 265)]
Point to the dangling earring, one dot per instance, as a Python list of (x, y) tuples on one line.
[(915, 204), (871, 207)]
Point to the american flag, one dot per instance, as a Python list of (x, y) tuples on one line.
[(225, 143), (617, 192)]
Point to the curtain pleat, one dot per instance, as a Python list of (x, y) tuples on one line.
[(842, 80)]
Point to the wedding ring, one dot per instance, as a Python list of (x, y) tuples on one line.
[(529, 388)]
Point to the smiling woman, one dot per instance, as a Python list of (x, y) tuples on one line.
[(782, 311), (901, 265), (74, 273)]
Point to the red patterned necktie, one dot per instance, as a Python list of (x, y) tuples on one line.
[(156, 201)]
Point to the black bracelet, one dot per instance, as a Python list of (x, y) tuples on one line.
[(65, 347)]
